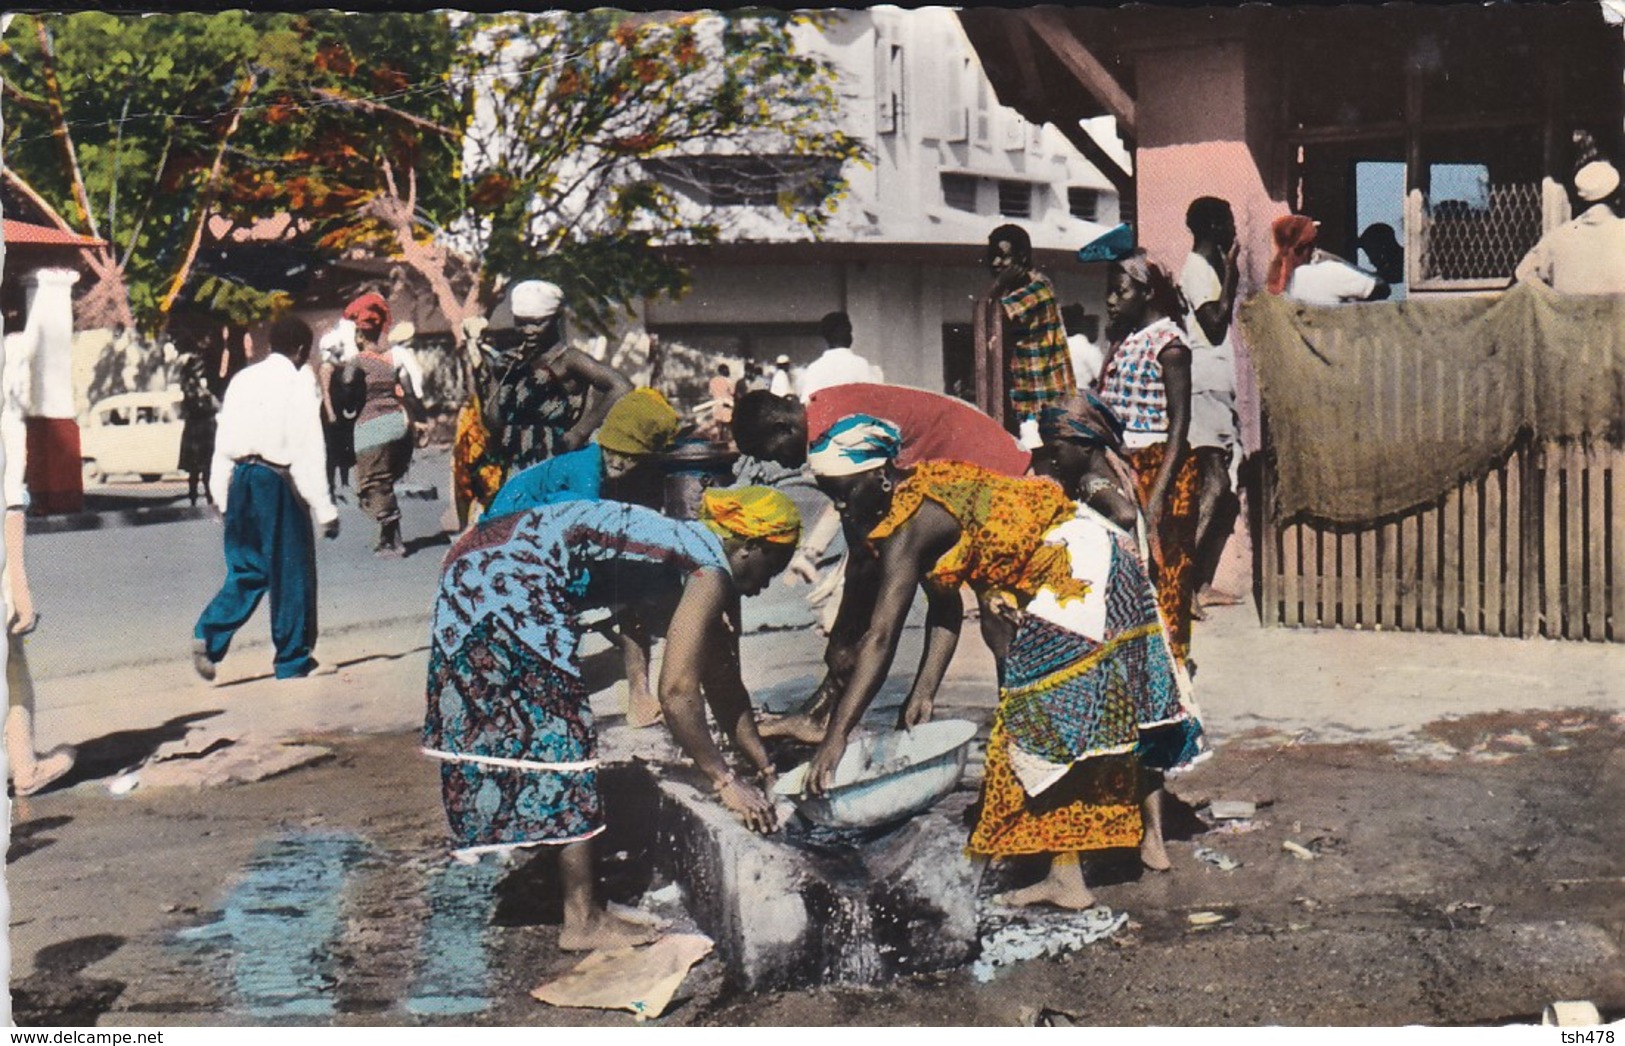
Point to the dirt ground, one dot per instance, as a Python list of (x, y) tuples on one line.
[(1468, 877)]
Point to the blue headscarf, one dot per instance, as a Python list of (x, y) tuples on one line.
[(1083, 418)]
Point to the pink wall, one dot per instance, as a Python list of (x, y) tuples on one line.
[(1198, 110)]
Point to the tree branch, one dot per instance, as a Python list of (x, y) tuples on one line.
[(211, 187)]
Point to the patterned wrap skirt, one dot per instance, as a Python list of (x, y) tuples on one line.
[(1175, 577), (1091, 696), (496, 694)]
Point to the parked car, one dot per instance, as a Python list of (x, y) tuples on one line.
[(136, 432)]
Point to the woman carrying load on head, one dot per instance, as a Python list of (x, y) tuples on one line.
[(507, 710), (1087, 668)]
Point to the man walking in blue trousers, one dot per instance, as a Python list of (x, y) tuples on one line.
[(269, 479)]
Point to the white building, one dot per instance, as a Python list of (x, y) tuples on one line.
[(904, 255)]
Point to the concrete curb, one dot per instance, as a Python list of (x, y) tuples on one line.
[(139, 517), (128, 517)]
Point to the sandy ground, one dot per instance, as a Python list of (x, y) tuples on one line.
[(1459, 797)]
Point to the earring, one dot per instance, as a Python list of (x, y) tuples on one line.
[(885, 486)]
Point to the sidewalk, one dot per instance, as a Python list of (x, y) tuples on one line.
[(1253, 684)]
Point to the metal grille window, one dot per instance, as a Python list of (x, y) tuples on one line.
[(1473, 228), (1084, 203), (1016, 199), (959, 192)]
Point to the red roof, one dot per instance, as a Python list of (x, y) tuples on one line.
[(27, 232)]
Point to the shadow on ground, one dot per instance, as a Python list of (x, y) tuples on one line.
[(115, 753), (56, 993)]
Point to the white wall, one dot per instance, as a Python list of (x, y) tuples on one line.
[(897, 310)]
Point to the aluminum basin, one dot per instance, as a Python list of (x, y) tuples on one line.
[(887, 777)]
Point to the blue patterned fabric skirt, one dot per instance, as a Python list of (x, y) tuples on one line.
[(516, 735)]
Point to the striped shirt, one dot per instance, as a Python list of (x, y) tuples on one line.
[(1040, 366)]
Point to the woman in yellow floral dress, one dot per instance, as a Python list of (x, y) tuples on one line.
[(1087, 684)]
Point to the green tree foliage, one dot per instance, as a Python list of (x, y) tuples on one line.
[(476, 150), (593, 124)]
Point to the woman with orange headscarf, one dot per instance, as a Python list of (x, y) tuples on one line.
[(1306, 274), (507, 711), (383, 430)]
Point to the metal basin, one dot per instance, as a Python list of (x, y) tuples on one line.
[(887, 777)]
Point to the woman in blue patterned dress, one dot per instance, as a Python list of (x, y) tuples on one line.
[(508, 714)]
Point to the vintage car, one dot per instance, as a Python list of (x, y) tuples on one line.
[(136, 432)]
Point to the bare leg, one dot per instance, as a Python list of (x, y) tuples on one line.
[(808, 729), (642, 708), (587, 927), (1153, 854), (1063, 887)]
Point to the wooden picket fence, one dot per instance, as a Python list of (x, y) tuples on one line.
[(1536, 547)]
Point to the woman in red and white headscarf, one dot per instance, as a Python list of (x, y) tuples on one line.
[(383, 431)]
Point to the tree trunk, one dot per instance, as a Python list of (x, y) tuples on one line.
[(430, 260), (59, 128)]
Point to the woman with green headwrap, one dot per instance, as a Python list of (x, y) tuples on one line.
[(612, 467), (508, 714)]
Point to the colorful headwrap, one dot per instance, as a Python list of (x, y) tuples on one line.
[(370, 312), (856, 443), (752, 513), (1083, 418), (640, 422), (1294, 237), (1160, 289)]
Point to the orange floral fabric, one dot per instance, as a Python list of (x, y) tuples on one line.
[(1002, 521), (475, 475), (1175, 576), (1001, 548), (1095, 807)]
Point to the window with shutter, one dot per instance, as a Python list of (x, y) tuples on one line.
[(1015, 199)]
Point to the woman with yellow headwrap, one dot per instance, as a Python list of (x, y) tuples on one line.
[(507, 711)]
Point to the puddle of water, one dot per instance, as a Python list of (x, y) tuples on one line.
[(452, 969), (278, 927)]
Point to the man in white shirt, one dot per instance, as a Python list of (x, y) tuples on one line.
[(1329, 280), (781, 385), (269, 480), (839, 365), (1586, 255), (1087, 359), (1208, 282)]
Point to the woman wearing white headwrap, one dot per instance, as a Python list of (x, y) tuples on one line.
[(534, 394)]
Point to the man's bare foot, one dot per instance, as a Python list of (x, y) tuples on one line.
[(642, 709), (1154, 855), (799, 727), (605, 931), (1073, 896), (1212, 597)]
